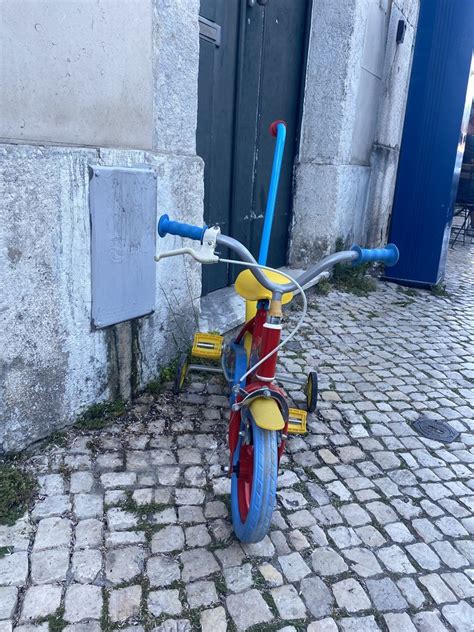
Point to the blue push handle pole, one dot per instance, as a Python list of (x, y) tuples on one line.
[(166, 225), (278, 129), (388, 255)]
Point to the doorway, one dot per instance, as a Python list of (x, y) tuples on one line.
[(251, 72)]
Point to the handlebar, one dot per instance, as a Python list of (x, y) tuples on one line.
[(167, 226), (388, 255)]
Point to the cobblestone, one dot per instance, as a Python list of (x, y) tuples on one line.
[(52, 532), (40, 601), (198, 563), (317, 596), (294, 567), (8, 599), (247, 609), (288, 603), (201, 593), (213, 620), (82, 602), (123, 565), (373, 524), (385, 594), (238, 578), (162, 570), (86, 565), (326, 561), (124, 603), (350, 595), (49, 566), (164, 602)]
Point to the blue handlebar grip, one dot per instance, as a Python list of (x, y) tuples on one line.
[(388, 255), (167, 226)]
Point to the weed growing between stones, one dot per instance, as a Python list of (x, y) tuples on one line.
[(353, 279), (404, 303), (347, 278), (439, 290), (99, 416), (167, 374), (58, 439), (5, 550), (56, 622), (105, 623), (408, 291), (16, 490), (323, 287), (141, 511)]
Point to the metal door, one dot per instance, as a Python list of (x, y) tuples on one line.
[(251, 71), (427, 176)]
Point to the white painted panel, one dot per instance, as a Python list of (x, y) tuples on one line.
[(123, 228), (366, 118), (375, 38), (77, 72)]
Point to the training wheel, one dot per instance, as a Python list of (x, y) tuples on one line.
[(311, 391), (181, 372)]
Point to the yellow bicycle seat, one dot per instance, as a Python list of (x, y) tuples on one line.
[(247, 286)]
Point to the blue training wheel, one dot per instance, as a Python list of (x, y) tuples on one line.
[(254, 485)]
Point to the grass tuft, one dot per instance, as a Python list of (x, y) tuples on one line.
[(439, 290), (16, 490), (352, 279), (100, 415), (56, 621), (167, 374), (323, 287)]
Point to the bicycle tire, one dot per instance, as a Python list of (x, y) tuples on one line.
[(255, 525), (181, 372)]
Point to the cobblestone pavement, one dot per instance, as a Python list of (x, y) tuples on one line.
[(373, 528)]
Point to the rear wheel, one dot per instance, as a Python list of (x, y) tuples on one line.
[(312, 391), (181, 372), (254, 484)]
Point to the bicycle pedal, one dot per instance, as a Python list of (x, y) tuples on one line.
[(207, 346), (297, 421)]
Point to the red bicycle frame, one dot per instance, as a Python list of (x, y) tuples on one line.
[(265, 338)]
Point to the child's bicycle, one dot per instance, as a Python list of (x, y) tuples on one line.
[(260, 418)]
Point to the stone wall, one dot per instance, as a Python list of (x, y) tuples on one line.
[(354, 102), (115, 84), (53, 364)]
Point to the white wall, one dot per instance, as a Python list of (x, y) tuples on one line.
[(77, 72), (53, 364), (355, 94)]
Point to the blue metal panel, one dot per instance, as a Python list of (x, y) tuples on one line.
[(426, 186), (123, 218)]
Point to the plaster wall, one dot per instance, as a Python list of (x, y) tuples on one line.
[(77, 72), (53, 364), (354, 101)]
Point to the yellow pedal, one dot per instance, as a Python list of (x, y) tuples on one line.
[(297, 421), (207, 346)]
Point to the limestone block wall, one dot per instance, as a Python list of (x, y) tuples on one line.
[(88, 83), (354, 102)]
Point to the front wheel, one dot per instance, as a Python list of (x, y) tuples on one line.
[(254, 484)]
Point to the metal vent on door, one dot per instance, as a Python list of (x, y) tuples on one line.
[(210, 31)]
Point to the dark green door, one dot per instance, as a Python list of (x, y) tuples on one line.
[(251, 71)]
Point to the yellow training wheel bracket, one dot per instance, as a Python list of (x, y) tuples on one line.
[(207, 346), (297, 421)]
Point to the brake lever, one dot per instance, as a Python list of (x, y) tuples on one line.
[(204, 255), (199, 255)]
